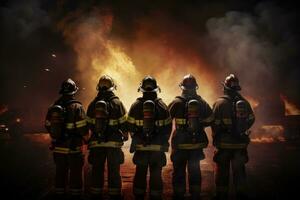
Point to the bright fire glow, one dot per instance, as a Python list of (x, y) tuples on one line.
[(290, 108)]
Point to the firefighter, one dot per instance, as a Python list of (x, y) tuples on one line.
[(233, 118), (106, 118), (66, 123), (191, 114), (149, 124)]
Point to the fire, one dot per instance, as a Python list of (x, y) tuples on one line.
[(270, 133), (98, 55), (290, 108)]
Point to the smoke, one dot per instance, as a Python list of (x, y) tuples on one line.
[(257, 47), (22, 18)]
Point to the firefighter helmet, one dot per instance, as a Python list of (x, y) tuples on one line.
[(148, 84), (106, 83), (188, 83), (231, 83), (68, 87)]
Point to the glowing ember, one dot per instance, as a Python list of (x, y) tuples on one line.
[(290, 108), (53, 55)]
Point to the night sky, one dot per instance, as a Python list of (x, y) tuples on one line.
[(257, 39)]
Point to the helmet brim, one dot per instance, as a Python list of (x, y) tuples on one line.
[(69, 93), (140, 89), (185, 88), (108, 90), (237, 88)]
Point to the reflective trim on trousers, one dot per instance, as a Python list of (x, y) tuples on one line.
[(151, 147), (64, 150), (191, 146), (111, 144)]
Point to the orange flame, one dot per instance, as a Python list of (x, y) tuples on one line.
[(290, 108), (98, 55)]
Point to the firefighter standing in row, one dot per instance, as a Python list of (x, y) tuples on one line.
[(66, 123), (106, 118), (149, 124), (191, 114), (233, 117)]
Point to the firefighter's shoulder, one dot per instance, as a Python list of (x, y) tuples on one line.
[(115, 100), (138, 104), (161, 104), (74, 105), (222, 101)]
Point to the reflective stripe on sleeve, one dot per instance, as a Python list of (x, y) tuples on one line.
[(180, 121), (80, 123), (90, 120), (131, 120), (208, 119), (122, 119), (70, 125)]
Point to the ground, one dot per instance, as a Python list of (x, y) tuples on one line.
[(27, 170)]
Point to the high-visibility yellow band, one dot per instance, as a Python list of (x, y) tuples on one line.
[(191, 146), (90, 120), (180, 121), (162, 122), (47, 123), (232, 146), (70, 125), (208, 119), (151, 147), (131, 120), (111, 144), (227, 121), (122, 119), (81, 123), (66, 150), (113, 122)]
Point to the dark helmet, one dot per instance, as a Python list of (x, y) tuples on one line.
[(188, 83), (68, 87), (148, 84), (231, 83), (106, 83)]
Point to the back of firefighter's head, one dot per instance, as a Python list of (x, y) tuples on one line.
[(68, 87), (188, 83), (106, 84), (148, 84), (231, 83)]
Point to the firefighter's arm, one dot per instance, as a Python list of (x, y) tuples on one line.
[(172, 107), (90, 116), (217, 123), (47, 122), (251, 117), (130, 124), (207, 116), (119, 116), (165, 122), (81, 121)]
